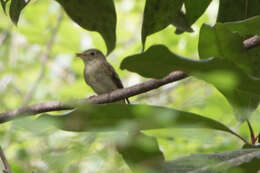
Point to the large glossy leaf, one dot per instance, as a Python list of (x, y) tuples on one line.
[(16, 7), (242, 161), (245, 27), (220, 42), (194, 9), (94, 15), (159, 14), (234, 10), (123, 117), (229, 79), (226, 41)]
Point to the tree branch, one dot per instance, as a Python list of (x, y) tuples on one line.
[(113, 96), (252, 42)]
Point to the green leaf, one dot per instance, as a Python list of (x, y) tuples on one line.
[(125, 117), (239, 161), (234, 10), (16, 7), (226, 41), (194, 9), (94, 15), (140, 151), (159, 14), (245, 27), (241, 90), (3, 3), (220, 42)]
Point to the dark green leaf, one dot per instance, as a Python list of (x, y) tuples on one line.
[(159, 14), (226, 41), (94, 15), (140, 151), (3, 3), (239, 161), (234, 10), (194, 9), (248, 146), (229, 79), (246, 27), (16, 7), (220, 42), (123, 117)]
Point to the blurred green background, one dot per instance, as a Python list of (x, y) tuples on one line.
[(37, 64)]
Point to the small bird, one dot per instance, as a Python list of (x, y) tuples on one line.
[(99, 74)]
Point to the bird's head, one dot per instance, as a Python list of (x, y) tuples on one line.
[(90, 54)]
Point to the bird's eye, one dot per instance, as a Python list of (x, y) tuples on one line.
[(92, 53)]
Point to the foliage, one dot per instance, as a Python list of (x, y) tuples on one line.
[(45, 33)]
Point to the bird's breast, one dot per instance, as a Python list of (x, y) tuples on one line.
[(98, 79)]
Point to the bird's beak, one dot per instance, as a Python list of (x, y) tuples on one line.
[(79, 55)]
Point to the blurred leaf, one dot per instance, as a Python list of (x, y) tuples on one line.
[(234, 10), (123, 117), (248, 146), (241, 90), (140, 151), (94, 15), (16, 7), (239, 161), (3, 3), (194, 9), (159, 14)]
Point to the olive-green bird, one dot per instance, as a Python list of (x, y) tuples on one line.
[(99, 74)]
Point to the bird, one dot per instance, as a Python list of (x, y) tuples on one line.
[(99, 74)]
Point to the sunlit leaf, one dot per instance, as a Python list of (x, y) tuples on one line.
[(94, 15)]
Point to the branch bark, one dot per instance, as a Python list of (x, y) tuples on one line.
[(113, 96), (252, 42)]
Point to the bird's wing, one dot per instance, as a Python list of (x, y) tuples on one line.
[(116, 79)]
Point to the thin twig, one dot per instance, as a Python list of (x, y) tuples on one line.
[(7, 168)]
